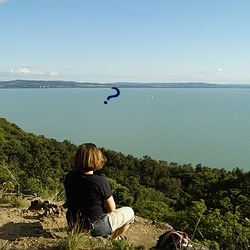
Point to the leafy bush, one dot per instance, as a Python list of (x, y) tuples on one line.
[(121, 193), (153, 210)]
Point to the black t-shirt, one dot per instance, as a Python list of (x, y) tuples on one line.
[(86, 193)]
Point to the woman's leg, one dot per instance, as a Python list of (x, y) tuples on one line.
[(120, 231), (120, 220)]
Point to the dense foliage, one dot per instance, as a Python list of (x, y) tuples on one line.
[(38, 163), (212, 205)]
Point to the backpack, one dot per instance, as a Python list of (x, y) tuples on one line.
[(172, 240)]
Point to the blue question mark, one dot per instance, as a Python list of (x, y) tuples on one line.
[(112, 96)]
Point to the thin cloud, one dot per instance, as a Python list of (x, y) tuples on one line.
[(53, 73), (22, 71), (3, 1), (211, 72), (31, 71), (218, 70)]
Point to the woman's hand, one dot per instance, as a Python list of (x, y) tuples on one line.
[(110, 204)]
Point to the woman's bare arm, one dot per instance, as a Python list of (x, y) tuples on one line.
[(110, 204)]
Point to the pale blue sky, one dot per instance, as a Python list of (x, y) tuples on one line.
[(125, 40)]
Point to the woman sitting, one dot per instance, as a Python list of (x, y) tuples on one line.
[(91, 205)]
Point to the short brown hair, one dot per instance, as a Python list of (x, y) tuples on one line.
[(88, 157)]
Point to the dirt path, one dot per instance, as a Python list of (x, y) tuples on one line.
[(25, 229)]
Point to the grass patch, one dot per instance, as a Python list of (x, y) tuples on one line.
[(5, 200), (75, 241), (19, 202), (82, 241)]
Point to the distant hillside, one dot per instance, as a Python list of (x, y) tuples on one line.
[(71, 84)]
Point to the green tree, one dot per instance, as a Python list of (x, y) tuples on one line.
[(121, 194), (236, 188)]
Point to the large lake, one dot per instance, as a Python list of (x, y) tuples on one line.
[(207, 126)]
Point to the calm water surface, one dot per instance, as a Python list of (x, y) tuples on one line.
[(207, 126)]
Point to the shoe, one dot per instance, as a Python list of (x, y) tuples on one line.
[(121, 238)]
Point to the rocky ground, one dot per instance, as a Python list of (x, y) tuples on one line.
[(43, 228)]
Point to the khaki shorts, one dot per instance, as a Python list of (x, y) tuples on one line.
[(120, 217)]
